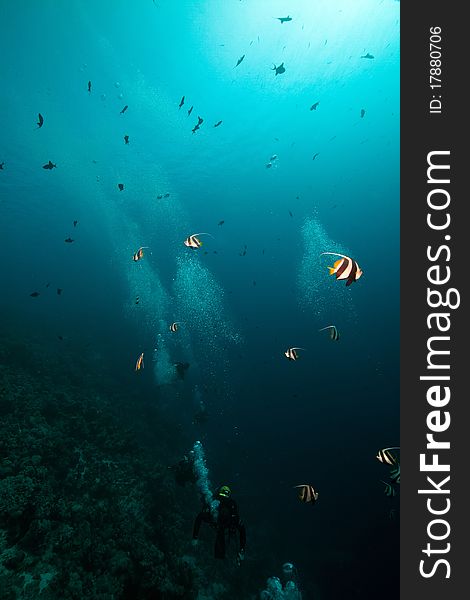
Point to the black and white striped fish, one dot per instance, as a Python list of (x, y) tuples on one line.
[(292, 354), (174, 326), (389, 489), (386, 457), (193, 241), (307, 493), (334, 334), (345, 268)]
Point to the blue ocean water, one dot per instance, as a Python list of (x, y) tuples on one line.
[(275, 184)]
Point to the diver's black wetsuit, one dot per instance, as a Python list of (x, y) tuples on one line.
[(228, 519)]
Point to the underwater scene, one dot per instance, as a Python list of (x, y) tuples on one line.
[(199, 333)]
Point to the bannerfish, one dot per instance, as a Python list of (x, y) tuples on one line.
[(345, 268), (40, 121), (280, 69), (334, 335), (124, 110), (181, 102), (307, 493), (292, 354), (126, 139), (120, 186), (139, 254), (50, 165), (140, 362), (218, 123), (89, 86), (386, 457), (137, 299), (239, 61), (367, 56), (284, 19), (192, 241), (389, 489), (190, 110), (69, 240), (174, 326), (314, 106)]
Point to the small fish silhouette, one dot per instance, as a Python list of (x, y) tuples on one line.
[(59, 291), (367, 56), (69, 240), (40, 121), (34, 294), (315, 155), (120, 186), (50, 165), (126, 139), (75, 223), (218, 123), (124, 110), (239, 61), (1, 166), (363, 112), (190, 110), (182, 102), (284, 19), (89, 86), (280, 69), (314, 106), (221, 222)]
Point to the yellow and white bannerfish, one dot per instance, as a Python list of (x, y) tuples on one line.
[(334, 334), (140, 362), (139, 254), (292, 354), (307, 493), (193, 241), (345, 268)]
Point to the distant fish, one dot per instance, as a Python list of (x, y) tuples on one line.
[(160, 196), (220, 222), (367, 56), (291, 214), (40, 121), (243, 252), (137, 299), (292, 354), (167, 195), (34, 294), (334, 335), (389, 489), (314, 106), (307, 493), (200, 120), (174, 327), (126, 139), (363, 112), (195, 128), (120, 186), (139, 254), (69, 240), (193, 240), (50, 165), (284, 19), (280, 69), (1, 166), (59, 291), (218, 123), (269, 165), (239, 61), (124, 110), (273, 157), (345, 268), (315, 155), (75, 223), (89, 86), (190, 110), (140, 362), (386, 457), (395, 474), (181, 102)]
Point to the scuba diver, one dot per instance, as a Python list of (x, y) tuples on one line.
[(183, 470), (227, 521)]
